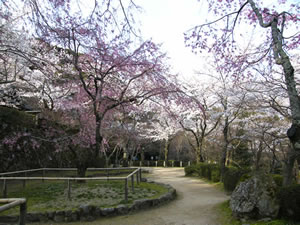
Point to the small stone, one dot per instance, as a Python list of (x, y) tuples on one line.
[(122, 209), (59, 216), (32, 217), (107, 211), (265, 220), (50, 215), (42, 217)]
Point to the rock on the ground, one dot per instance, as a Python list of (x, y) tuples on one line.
[(255, 198)]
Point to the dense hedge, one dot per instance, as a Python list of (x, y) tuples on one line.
[(190, 170), (211, 172), (278, 179), (233, 176), (205, 170), (290, 202)]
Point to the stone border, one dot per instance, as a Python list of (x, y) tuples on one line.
[(91, 212)]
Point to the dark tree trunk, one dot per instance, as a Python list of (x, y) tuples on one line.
[(288, 175), (281, 58), (224, 150), (81, 171), (99, 137), (258, 156)]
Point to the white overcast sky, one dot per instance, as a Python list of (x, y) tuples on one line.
[(165, 22)]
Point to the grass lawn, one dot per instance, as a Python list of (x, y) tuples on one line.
[(52, 195)]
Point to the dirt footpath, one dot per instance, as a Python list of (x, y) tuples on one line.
[(193, 206)]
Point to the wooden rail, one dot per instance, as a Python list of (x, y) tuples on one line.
[(13, 202), (136, 171)]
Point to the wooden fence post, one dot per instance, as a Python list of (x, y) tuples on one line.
[(107, 174), (23, 209), (180, 163), (4, 189), (132, 183), (126, 190), (140, 174), (69, 189), (24, 181), (137, 177), (43, 174)]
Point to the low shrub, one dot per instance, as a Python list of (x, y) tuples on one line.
[(290, 202), (232, 177), (216, 175), (244, 177), (189, 170), (204, 170), (278, 179), (160, 163)]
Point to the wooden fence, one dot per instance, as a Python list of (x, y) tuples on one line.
[(136, 171), (160, 163), (13, 202)]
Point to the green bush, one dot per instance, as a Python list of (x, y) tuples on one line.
[(244, 177), (232, 177), (290, 202), (278, 179), (204, 170), (189, 170), (215, 175)]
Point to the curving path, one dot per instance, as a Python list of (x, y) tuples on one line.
[(194, 204)]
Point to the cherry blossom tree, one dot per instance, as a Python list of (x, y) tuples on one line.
[(199, 122), (274, 47), (163, 124), (113, 71), (229, 97)]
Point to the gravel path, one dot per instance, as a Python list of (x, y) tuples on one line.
[(194, 204)]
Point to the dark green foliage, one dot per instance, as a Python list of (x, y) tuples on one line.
[(160, 163), (290, 202), (12, 119), (189, 170), (245, 177), (278, 179), (204, 170), (232, 177), (241, 154), (215, 175)]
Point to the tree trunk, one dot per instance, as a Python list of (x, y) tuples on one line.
[(199, 148), (293, 132), (99, 137), (224, 150), (199, 157), (166, 151), (258, 155), (81, 170), (288, 174), (281, 58), (107, 159)]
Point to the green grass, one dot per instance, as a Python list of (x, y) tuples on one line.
[(52, 195), (226, 217)]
